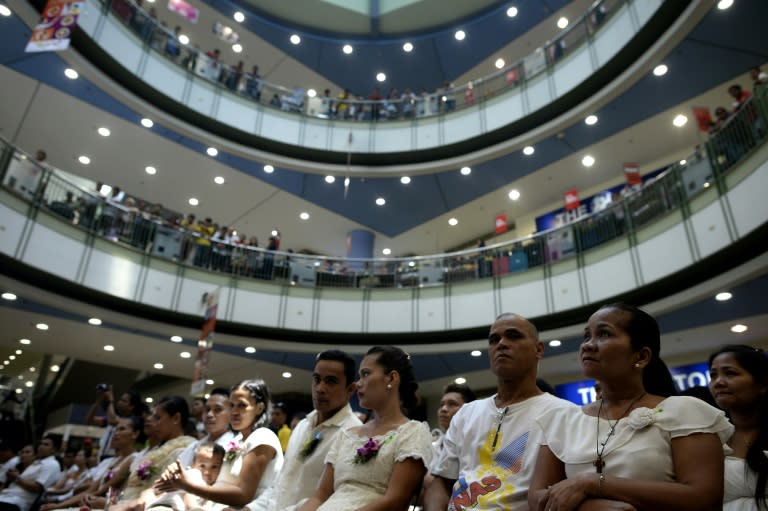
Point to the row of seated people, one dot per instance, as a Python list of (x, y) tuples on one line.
[(638, 446)]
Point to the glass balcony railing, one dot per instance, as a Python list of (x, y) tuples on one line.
[(164, 234)]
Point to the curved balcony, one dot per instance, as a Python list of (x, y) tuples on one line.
[(702, 217), (601, 45)]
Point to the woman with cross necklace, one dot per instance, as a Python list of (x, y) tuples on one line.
[(639, 447)]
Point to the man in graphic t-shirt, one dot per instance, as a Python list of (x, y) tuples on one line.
[(490, 448)]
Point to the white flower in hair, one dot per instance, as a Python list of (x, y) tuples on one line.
[(642, 417)]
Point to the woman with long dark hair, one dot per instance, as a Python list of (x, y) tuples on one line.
[(739, 383)]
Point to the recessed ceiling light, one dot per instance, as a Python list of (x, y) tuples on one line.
[(514, 194), (499, 63), (147, 122), (158, 365), (55, 368), (311, 93), (528, 150), (218, 180), (94, 321), (193, 201), (405, 180), (32, 369), (184, 39), (330, 179), (212, 151), (185, 354), (71, 73), (347, 49), (149, 400), (724, 296), (460, 381), (41, 326), (476, 353), (706, 184), (2, 367), (25, 341), (19, 391), (683, 162), (380, 77), (411, 263), (588, 160), (739, 329), (12, 357), (407, 47), (512, 12), (453, 221), (590, 120), (562, 22), (660, 70), (149, 169), (237, 48), (239, 17), (104, 132), (269, 169), (274, 232), (555, 343), (465, 171), (19, 352), (680, 120), (9, 296), (724, 4), (250, 349), (29, 384), (109, 347), (386, 251), (287, 374), (380, 201), (460, 35), (6, 362), (209, 382), (176, 338), (4, 11), (304, 215), (295, 39), (85, 160)]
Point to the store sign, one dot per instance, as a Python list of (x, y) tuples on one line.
[(55, 27)]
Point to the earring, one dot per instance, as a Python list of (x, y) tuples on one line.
[(389, 386)]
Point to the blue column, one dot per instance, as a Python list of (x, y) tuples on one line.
[(359, 244)]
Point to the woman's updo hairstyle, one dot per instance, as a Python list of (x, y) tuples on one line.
[(392, 358), (137, 424), (173, 405), (643, 332), (257, 389)]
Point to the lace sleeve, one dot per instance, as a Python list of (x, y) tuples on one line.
[(415, 441)]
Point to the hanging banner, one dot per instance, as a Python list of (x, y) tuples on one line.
[(703, 118), (55, 27), (632, 174), (205, 343), (501, 223), (184, 10), (571, 198)]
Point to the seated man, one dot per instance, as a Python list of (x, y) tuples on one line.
[(24, 488)]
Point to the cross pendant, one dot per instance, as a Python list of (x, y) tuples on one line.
[(599, 464)]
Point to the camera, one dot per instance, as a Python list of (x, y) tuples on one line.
[(102, 387)]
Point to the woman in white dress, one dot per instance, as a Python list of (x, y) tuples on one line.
[(635, 448), (739, 383), (379, 465), (252, 460)]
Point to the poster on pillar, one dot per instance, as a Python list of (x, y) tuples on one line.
[(205, 342), (54, 29)]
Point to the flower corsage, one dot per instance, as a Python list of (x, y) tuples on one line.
[(643, 417), (310, 445), (234, 449), (370, 449), (145, 471)]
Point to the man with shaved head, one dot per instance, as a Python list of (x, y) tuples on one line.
[(490, 448)]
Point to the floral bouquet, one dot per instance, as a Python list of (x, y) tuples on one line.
[(369, 450), (234, 448), (145, 470), (310, 445)]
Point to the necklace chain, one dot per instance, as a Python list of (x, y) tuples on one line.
[(600, 446)]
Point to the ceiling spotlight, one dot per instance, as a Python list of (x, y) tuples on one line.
[(287, 374), (499, 63), (453, 221), (411, 263), (269, 169), (239, 17), (739, 329), (555, 343), (94, 321), (41, 326), (218, 180), (274, 232), (311, 93), (660, 70), (149, 169), (71, 73), (237, 47), (250, 349), (12, 357), (84, 160), (680, 120), (176, 338), (514, 194), (562, 22), (591, 120), (193, 201), (158, 365), (512, 12), (185, 354), (184, 39), (386, 251), (55, 368), (330, 179), (528, 150), (149, 400), (109, 347), (19, 391), (295, 39), (460, 35), (460, 381), (476, 353), (724, 296), (405, 180), (588, 161), (147, 123), (683, 162), (25, 341), (19, 352), (29, 384), (212, 151), (380, 201), (380, 77), (347, 49), (408, 47), (4, 11), (465, 171), (8, 296), (304, 215), (722, 5), (104, 132), (209, 381)]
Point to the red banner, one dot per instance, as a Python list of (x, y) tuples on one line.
[(632, 174), (703, 118), (501, 223), (55, 27), (571, 198)]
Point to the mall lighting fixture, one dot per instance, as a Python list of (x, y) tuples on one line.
[(512, 12), (460, 35), (347, 49), (683, 162), (465, 171), (218, 180), (41, 326), (562, 22), (94, 321), (193, 201), (591, 120), (147, 122), (514, 194), (723, 296), (29, 384), (55, 368), (380, 77), (295, 39), (250, 349), (109, 347), (476, 353), (239, 17), (71, 73), (84, 159), (32, 369), (19, 391), (722, 4), (149, 169), (287, 374), (158, 365), (274, 232), (25, 341), (19, 352), (330, 179), (386, 251), (499, 63), (12, 357), (460, 380), (528, 150), (304, 215), (739, 329), (149, 400), (453, 221), (4, 10), (209, 381), (212, 152), (104, 132), (185, 354), (660, 70), (380, 201), (184, 39), (680, 120), (311, 93), (9, 296), (555, 343), (588, 160), (269, 169), (405, 180), (407, 47), (237, 48), (176, 338)]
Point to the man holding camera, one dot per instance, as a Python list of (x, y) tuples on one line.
[(128, 405)]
